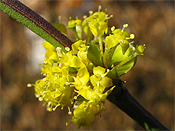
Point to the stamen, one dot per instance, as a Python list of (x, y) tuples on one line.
[(69, 111), (99, 8), (125, 25), (90, 12)]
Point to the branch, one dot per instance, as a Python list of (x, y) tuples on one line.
[(35, 22), (126, 102)]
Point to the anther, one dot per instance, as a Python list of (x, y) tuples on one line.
[(75, 97), (90, 12), (67, 48), (112, 65), (44, 79), (67, 83), (84, 17), (70, 113), (55, 64), (125, 25), (112, 28), (40, 98), (132, 36), (29, 85), (58, 49)]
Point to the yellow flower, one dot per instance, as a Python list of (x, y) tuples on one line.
[(99, 78), (83, 115), (50, 51), (82, 78)]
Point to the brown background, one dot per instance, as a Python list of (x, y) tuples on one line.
[(151, 81)]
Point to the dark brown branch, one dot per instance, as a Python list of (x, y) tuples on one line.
[(123, 100), (39, 21)]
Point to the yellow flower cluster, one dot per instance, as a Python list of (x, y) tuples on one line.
[(67, 78), (82, 78)]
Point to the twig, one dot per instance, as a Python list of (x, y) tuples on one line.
[(127, 103), (19, 8)]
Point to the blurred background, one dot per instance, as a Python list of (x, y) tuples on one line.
[(151, 81)]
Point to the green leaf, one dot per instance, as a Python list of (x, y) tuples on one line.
[(111, 41), (123, 62), (107, 57), (94, 55), (150, 129), (126, 67), (60, 27), (124, 45), (87, 31), (76, 27)]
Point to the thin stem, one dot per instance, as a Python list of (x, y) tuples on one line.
[(101, 45), (123, 100)]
